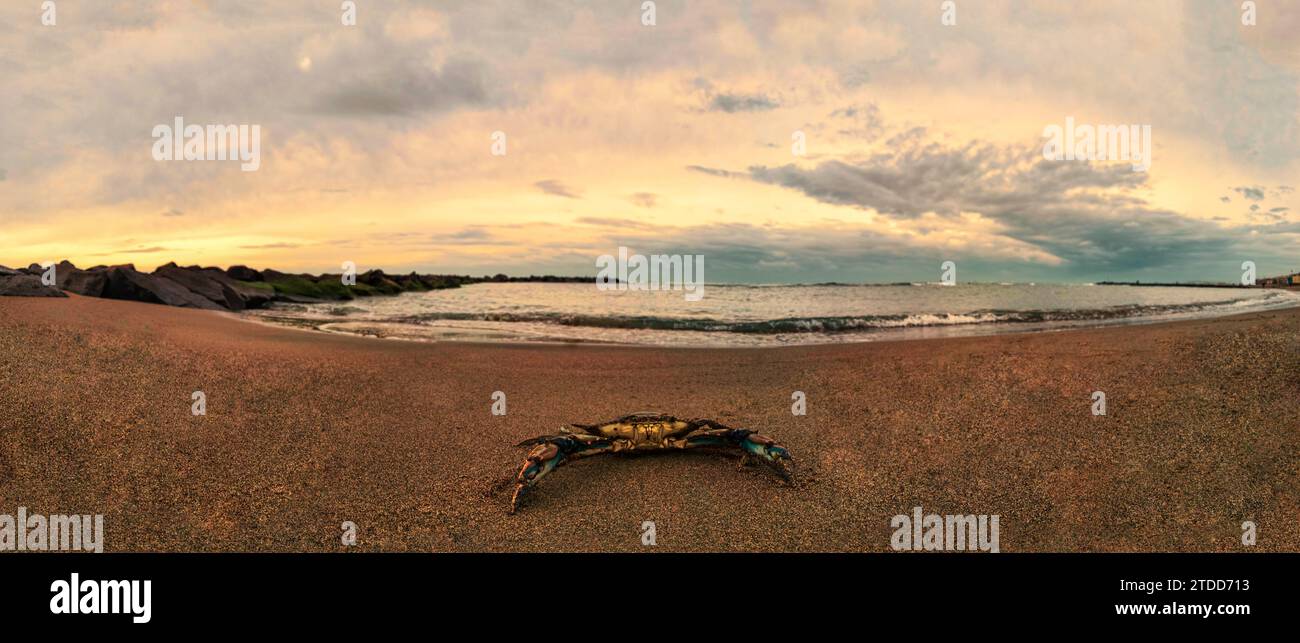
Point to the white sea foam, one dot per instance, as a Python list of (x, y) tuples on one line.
[(767, 315)]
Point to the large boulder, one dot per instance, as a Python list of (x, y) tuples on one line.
[(90, 283), (243, 273), (275, 275), (239, 295), (125, 282), (379, 281), (410, 282), (201, 283), (438, 282), (234, 294), (24, 285), (305, 288)]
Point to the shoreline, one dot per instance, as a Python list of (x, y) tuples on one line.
[(1107, 324), (306, 430), (919, 332)]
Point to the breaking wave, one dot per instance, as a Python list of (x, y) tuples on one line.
[(844, 324)]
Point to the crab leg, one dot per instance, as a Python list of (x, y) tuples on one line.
[(749, 442), (550, 452)]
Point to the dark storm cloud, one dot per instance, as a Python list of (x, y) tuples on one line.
[(745, 253), (1083, 213), (1292, 227)]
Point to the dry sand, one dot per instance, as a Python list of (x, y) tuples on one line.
[(305, 430)]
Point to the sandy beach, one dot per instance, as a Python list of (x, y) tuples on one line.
[(305, 430)]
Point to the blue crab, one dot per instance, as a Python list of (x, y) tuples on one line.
[(642, 432)]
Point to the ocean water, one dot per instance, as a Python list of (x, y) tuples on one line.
[(741, 315)]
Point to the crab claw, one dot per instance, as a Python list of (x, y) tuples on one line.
[(540, 461), (771, 453)]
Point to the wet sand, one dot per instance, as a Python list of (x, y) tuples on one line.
[(305, 430)]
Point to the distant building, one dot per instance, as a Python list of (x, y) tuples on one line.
[(1280, 282)]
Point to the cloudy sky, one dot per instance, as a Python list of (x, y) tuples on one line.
[(923, 140)]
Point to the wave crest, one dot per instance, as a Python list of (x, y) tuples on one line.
[(844, 324)]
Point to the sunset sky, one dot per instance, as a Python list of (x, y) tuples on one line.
[(924, 141)]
